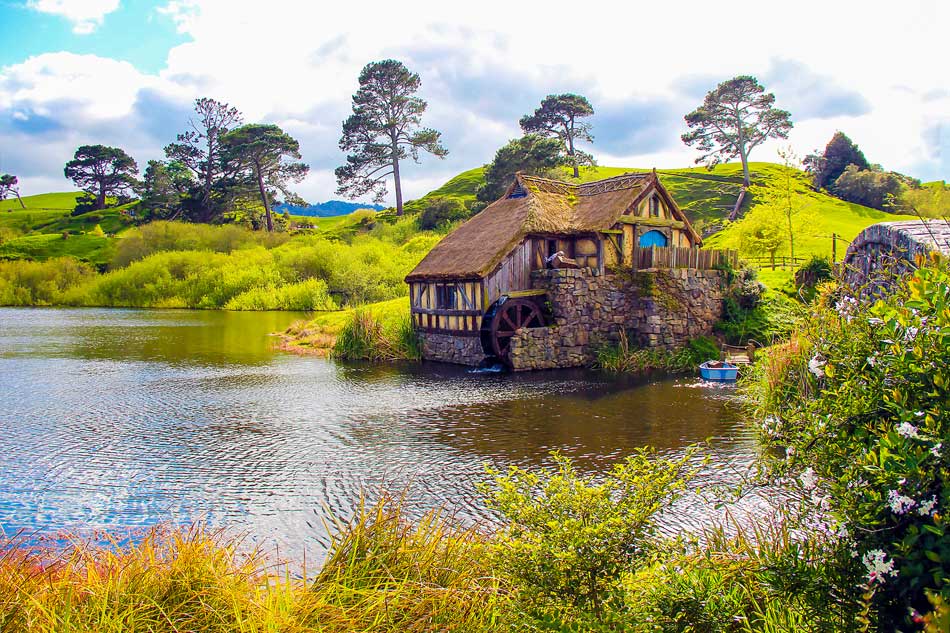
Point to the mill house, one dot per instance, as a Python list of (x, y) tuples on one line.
[(486, 281)]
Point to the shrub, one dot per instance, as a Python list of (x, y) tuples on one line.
[(816, 270), (97, 231), (28, 283), (154, 237), (440, 212), (364, 217), (568, 537), (302, 296), (772, 319), (859, 402), (870, 187)]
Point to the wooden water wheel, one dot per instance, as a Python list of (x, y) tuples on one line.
[(503, 319)]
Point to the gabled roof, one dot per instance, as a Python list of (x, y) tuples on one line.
[(534, 205)]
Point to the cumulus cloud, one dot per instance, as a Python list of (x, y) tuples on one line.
[(85, 15), (811, 95), (296, 64)]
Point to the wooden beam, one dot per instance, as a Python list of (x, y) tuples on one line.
[(438, 312), (526, 293), (676, 224)]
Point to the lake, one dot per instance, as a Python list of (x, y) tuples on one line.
[(120, 419)]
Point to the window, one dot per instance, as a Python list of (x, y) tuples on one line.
[(654, 207), (445, 297)]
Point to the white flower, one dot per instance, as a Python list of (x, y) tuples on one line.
[(926, 508), (875, 321), (910, 333), (845, 308), (815, 366), (877, 567), (908, 430), (899, 503), (808, 479), (935, 449), (872, 360), (919, 414)]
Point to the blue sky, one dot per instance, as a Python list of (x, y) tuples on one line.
[(135, 32), (125, 73)]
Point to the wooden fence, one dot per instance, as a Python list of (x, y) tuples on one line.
[(776, 262), (674, 257)]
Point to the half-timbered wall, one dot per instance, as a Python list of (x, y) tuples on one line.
[(447, 306)]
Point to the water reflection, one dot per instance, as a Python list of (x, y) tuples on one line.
[(126, 418)]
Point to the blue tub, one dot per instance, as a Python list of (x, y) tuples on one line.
[(717, 371)]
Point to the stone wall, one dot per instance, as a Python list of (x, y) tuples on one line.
[(446, 348), (659, 309)]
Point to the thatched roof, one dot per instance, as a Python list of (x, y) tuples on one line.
[(547, 207)]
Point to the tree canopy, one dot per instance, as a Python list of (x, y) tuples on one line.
[(839, 153), (266, 156), (558, 117), (102, 171), (532, 154), (735, 117), (9, 184), (384, 129), (873, 188), (199, 149), (163, 188)]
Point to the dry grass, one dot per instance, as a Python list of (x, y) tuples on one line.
[(382, 574)]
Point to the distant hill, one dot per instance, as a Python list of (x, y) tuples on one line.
[(328, 209)]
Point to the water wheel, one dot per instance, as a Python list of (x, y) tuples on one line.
[(503, 319)]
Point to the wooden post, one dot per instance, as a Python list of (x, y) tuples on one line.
[(834, 247)]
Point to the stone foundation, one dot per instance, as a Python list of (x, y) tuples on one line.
[(461, 350), (658, 309)]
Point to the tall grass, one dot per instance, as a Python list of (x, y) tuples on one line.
[(621, 357), (367, 337), (382, 574)]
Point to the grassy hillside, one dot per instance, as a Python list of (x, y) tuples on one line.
[(461, 188), (88, 248), (707, 196)]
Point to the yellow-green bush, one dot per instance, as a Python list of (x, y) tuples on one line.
[(28, 283)]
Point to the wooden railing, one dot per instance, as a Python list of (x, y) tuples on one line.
[(645, 257), (779, 261)]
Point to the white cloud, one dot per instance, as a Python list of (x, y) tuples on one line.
[(643, 68), (85, 15)]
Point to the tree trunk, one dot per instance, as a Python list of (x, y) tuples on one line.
[(260, 185), (791, 240), (398, 186), (17, 194), (745, 168), (101, 198), (570, 152), (206, 193)]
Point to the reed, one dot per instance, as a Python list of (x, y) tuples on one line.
[(367, 336)]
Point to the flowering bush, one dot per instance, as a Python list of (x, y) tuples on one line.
[(858, 405)]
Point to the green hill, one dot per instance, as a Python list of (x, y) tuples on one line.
[(51, 213)]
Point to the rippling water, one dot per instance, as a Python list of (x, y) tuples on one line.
[(126, 418)]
